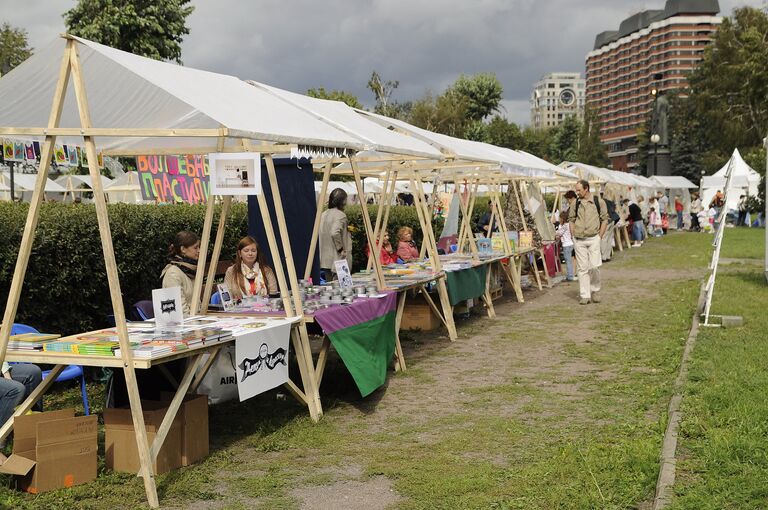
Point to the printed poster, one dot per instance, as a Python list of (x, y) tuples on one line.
[(29, 151), (174, 179), (7, 150), (60, 155), (72, 155), (226, 297), (18, 151), (167, 306), (343, 273), (236, 173), (262, 360)]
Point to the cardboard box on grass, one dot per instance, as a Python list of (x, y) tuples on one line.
[(417, 314), (194, 427), (52, 450), (120, 447)]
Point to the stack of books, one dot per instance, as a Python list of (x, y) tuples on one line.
[(30, 341)]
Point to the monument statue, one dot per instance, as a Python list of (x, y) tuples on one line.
[(660, 119)]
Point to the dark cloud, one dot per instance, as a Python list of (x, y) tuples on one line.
[(426, 45)]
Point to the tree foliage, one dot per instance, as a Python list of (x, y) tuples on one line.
[(382, 92), (14, 48), (591, 151), (336, 95), (147, 28), (565, 140), (483, 94)]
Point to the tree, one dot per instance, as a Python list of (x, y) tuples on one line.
[(565, 141), (483, 93), (335, 95), (147, 28), (382, 92), (730, 85), (446, 113), (591, 151), (503, 133), (685, 144), (539, 142), (13, 47)]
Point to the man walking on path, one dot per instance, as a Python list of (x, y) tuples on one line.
[(588, 220)]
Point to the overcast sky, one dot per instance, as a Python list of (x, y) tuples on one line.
[(424, 44)]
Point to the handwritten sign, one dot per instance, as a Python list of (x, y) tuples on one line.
[(174, 178)]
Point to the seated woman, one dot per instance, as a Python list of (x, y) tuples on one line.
[(182, 266), (16, 384), (249, 275), (406, 247), (387, 254)]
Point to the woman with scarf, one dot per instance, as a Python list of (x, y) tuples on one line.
[(249, 275), (182, 266)]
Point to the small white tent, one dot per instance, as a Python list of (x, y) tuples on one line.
[(744, 181)]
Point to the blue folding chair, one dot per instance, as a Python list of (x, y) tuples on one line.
[(144, 309), (216, 298), (68, 374)]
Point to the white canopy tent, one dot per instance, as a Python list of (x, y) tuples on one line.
[(79, 183), (672, 182), (24, 185), (125, 189), (744, 181)]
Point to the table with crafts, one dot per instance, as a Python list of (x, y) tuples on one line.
[(360, 322)]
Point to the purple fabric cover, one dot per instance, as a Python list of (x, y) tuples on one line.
[(338, 317)]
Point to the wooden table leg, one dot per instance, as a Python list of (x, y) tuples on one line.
[(204, 370), (322, 360), (400, 361), (487, 295), (33, 397)]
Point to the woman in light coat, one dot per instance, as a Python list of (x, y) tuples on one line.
[(335, 239)]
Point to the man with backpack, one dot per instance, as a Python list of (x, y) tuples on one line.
[(588, 220)]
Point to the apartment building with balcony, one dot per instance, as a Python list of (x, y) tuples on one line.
[(653, 50)]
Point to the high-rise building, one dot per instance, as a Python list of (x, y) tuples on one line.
[(651, 54), (555, 97)]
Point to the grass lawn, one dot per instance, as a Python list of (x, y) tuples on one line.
[(724, 434), (551, 405)]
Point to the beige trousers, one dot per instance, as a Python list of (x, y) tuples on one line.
[(588, 262)]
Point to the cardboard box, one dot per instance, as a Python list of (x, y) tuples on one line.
[(120, 447), (194, 427), (417, 314), (52, 450)]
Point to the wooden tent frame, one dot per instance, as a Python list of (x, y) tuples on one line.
[(70, 69)]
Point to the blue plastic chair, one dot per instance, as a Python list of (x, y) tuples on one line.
[(216, 298), (144, 309), (69, 373)]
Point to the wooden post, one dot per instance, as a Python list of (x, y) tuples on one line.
[(113, 279), (216, 255), (387, 209), (318, 215), (310, 388), (367, 224), (377, 229), (200, 271), (33, 214)]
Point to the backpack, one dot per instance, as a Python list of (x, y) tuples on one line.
[(578, 203)]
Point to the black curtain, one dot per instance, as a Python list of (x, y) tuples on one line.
[(297, 191)]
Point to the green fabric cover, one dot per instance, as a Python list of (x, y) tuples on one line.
[(466, 283), (366, 350)]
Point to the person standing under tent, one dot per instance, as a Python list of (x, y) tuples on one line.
[(679, 207), (696, 208), (638, 228), (588, 220), (663, 210), (564, 234), (742, 207), (335, 239), (183, 254)]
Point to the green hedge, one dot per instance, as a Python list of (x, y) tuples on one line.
[(66, 289)]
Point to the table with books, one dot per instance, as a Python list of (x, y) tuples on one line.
[(198, 338)]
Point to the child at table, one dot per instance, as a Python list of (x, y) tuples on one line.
[(406, 247), (250, 275)]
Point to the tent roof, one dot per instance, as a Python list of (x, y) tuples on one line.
[(26, 182), (128, 91), (344, 118), (740, 168), (83, 180), (673, 181), (129, 181)]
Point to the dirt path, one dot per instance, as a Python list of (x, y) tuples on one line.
[(545, 378)]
